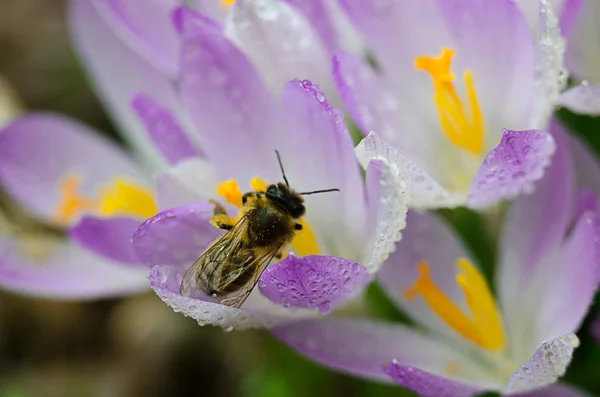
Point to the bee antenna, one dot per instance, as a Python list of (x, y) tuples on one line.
[(319, 191), (281, 167)]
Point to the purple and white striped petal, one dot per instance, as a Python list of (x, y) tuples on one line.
[(512, 167), (363, 348), (110, 238), (544, 368), (222, 92), (427, 384), (164, 129), (280, 42), (176, 236), (314, 281), (582, 99), (118, 73), (38, 150), (147, 30), (45, 267)]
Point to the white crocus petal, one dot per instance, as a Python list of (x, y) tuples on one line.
[(422, 191), (391, 216), (550, 71), (348, 37), (280, 42), (582, 99)]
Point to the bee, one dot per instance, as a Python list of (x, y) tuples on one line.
[(230, 267)]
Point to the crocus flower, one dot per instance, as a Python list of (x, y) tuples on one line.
[(346, 235), (468, 340), (454, 79), (579, 25)]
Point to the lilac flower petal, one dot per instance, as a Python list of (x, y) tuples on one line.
[(554, 391), (163, 129), (316, 12), (512, 167), (585, 162), (280, 42), (41, 266), (109, 238), (550, 73), (427, 384), (146, 30), (422, 191), (165, 281), (176, 236), (38, 150), (118, 73), (582, 99), (548, 364), (427, 239), (569, 15), (318, 153), (362, 347), (583, 56), (315, 281), (222, 92), (572, 282)]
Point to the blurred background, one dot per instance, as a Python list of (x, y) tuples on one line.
[(138, 346)]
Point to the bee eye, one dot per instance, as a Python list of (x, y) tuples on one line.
[(272, 189)]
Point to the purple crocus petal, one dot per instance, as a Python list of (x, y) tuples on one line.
[(316, 13), (118, 73), (318, 153), (571, 281), (512, 167), (314, 281), (222, 92), (554, 391), (546, 365), (422, 191), (427, 239), (569, 15), (280, 42), (163, 129), (427, 384), (585, 162), (39, 266), (529, 236), (38, 150), (583, 55), (362, 347), (110, 238), (165, 281), (582, 99), (176, 236), (146, 30)]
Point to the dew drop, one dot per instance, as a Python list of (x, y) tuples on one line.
[(280, 287), (228, 329), (324, 307)]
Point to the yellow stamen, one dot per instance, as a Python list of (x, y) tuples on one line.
[(119, 197), (484, 326), (230, 190), (464, 127), (305, 242), (124, 198), (227, 3), (258, 185)]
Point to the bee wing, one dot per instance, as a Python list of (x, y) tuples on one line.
[(216, 255), (256, 265)]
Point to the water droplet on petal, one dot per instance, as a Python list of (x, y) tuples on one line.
[(324, 307)]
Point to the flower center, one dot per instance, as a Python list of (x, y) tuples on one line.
[(119, 197), (462, 123), (483, 327), (304, 242), (227, 3)]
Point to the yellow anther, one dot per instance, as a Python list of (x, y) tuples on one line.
[(120, 197), (484, 326), (463, 125), (258, 184), (305, 242), (230, 190), (72, 203), (227, 3), (124, 198)]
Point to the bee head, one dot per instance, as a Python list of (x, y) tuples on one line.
[(286, 198)]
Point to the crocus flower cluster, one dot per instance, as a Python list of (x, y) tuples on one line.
[(455, 100)]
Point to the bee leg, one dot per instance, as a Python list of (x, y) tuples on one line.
[(220, 218), (297, 226), (246, 196)]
